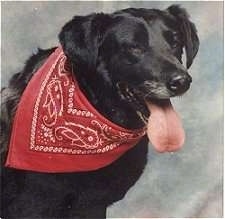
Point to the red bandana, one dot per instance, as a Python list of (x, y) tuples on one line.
[(56, 129)]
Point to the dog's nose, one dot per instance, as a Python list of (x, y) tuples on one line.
[(179, 83)]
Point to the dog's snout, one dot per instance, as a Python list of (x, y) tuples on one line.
[(179, 83)]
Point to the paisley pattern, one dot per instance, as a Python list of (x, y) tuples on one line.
[(63, 123)]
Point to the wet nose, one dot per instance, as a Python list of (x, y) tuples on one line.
[(179, 83)]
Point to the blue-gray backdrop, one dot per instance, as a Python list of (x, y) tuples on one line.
[(184, 184)]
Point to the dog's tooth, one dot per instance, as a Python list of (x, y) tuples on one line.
[(131, 94), (122, 96), (142, 117)]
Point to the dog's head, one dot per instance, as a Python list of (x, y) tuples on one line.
[(136, 52)]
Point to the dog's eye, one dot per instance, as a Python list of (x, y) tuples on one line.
[(176, 42), (173, 38), (132, 53), (137, 51)]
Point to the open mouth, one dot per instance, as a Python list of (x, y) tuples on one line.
[(164, 127)]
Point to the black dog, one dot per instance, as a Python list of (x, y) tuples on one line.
[(121, 60)]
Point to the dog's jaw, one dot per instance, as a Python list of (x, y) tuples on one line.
[(159, 118), (135, 100)]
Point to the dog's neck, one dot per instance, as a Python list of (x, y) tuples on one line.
[(107, 101)]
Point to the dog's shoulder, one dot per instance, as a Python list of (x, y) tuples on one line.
[(10, 95)]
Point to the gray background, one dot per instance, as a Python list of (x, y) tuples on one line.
[(184, 184)]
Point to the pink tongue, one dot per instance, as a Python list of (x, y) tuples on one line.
[(164, 128)]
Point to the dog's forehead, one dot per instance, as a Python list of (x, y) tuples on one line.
[(135, 29), (130, 29), (152, 16)]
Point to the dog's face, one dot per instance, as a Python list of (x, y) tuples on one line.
[(134, 51)]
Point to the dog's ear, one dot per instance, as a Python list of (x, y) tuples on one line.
[(80, 39), (188, 30)]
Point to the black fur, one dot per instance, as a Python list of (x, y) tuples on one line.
[(120, 60)]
